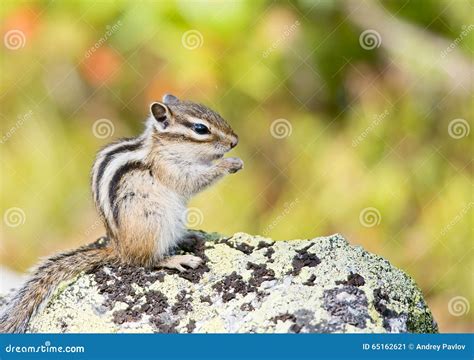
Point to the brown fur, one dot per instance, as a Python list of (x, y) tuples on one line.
[(137, 230)]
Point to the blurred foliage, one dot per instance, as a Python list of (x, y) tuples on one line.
[(258, 62)]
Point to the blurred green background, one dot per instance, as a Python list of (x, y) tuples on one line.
[(353, 117)]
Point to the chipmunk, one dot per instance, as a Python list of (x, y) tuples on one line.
[(140, 187)]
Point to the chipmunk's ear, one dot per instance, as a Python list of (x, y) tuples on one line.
[(170, 99), (161, 113)]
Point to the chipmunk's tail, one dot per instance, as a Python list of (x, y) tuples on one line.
[(36, 292)]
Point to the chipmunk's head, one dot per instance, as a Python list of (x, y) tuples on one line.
[(190, 131)]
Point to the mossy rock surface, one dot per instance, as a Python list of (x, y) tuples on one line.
[(247, 284)]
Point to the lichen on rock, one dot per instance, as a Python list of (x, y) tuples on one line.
[(246, 284)]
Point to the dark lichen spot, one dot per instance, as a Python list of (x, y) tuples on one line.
[(310, 281), (348, 304), (241, 246), (304, 258), (162, 326), (183, 303), (268, 254), (63, 325), (193, 275), (390, 317), (270, 250), (260, 274), (283, 317), (353, 280), (295, 327), (247, 307), (206, 298), (156, 303), (230, 286), (380, 303), (127, 315), (190, 326), (245, 248), (264, 244)]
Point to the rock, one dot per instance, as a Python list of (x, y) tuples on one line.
[(246, 284)]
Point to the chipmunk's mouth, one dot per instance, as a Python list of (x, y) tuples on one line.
[(214, 158), (219, 154)]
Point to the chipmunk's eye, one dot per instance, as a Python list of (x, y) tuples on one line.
[(201, 129)]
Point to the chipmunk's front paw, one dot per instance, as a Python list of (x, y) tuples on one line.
[(232, 164), (178, 261)]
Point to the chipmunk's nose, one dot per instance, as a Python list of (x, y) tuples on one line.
[(234, 142)]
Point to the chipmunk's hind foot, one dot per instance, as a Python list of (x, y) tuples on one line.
[(178, 262)]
